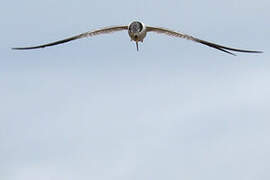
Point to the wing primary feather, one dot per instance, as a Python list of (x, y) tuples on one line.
[(188, 37), (87, 34), (49, 44)]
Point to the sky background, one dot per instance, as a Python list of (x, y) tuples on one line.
[(97, 109)]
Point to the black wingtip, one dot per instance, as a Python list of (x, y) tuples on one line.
[(16, 48), (26, 48), (258, 51)]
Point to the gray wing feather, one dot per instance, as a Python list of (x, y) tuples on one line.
[(188, 37), (83, 35)]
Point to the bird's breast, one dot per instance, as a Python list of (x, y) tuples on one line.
[(137, 36)]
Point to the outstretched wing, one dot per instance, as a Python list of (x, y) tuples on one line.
[(83, 35), (213, 45)]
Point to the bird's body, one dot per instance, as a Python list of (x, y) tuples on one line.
[(137, 32)]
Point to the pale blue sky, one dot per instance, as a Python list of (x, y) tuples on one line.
[(97, 109)]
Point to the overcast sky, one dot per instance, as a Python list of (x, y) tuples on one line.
[(97, 109)]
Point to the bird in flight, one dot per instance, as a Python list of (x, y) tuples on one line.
[(137, 32)]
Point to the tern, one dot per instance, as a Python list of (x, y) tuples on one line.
[(137, 32)]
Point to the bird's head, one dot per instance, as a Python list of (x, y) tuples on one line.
[(137, 31)]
